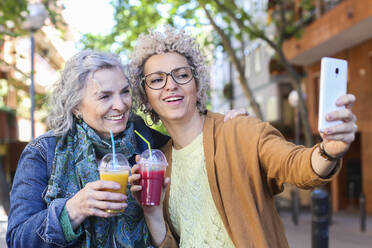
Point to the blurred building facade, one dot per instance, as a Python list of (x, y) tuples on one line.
[(270, 85), (51, 52), (341, 29), (270, 89)]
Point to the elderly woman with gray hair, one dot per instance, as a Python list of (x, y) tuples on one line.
[(57, 199)]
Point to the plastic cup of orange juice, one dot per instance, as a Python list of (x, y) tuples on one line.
[(115, 169)]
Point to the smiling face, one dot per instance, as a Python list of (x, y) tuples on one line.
[(174, 101), (107, 102)]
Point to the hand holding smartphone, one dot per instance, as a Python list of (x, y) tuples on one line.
[(333, 84)]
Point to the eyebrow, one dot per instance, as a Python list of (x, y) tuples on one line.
[(156, 72), (109, 92), (159, 71)]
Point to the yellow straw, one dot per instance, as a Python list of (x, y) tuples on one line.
[(148, 143)]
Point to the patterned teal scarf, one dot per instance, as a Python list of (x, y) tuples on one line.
[(75, 165)]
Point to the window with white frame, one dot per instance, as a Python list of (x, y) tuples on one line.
[(257, 59), (248, 65)]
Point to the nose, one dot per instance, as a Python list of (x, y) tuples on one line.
[(170, 84), (118, 104)]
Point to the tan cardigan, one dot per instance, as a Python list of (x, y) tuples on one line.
[(248, 161)]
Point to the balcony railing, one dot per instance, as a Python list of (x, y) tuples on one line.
[(303, 16), (323, 6)]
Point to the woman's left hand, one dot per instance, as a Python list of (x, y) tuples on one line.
[(153, 214), (337, 139), (232, 113), (134, 181)]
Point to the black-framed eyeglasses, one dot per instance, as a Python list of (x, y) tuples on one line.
[(158, 80)]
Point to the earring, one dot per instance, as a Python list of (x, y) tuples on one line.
[(148, 107), (79, 116)]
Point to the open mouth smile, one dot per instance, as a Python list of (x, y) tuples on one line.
[(114, 117), (173, 98)]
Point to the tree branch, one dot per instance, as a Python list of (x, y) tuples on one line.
[(253, 29), (282, 23), (256, 32), (229, 49), (277, 46)]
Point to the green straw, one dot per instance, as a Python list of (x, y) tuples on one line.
[(113, 148), (148, 143)]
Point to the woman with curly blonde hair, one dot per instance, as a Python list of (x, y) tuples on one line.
[(223, 174), (155, 43)]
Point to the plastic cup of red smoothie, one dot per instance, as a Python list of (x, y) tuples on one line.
[(152, 170)]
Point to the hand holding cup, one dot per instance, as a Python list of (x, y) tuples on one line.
[(115, 167), (94, 200), (147, 177)]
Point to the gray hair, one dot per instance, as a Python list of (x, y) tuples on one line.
[(171, 40), (69, 90)]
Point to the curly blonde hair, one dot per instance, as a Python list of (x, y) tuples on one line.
[(170, 40)]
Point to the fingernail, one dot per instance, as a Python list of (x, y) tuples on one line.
[(329, 117), (327, 131)]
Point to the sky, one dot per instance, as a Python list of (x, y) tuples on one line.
[(89, 16)]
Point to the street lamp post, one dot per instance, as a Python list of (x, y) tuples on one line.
[(320, 201), (34, 21), (32, 89), (293, 101)]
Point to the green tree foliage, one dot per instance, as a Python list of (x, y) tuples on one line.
[(234, 22), (132, 18), (14, 12)]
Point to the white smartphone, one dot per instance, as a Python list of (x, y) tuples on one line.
[(333, 84)]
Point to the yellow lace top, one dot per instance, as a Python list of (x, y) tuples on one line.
[(191, 206)]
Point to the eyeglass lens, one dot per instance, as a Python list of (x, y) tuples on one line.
[(157, 80)]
